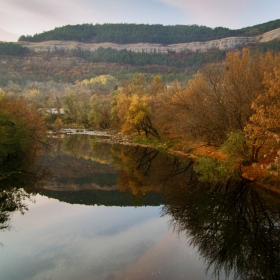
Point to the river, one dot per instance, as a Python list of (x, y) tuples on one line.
[(95, 210)]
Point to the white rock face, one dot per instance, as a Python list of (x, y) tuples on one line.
[(221, 44)]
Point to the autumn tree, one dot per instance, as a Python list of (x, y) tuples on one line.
[(204, 104), (58, 124), (264, 125), (102, 84), (100, 113), (133, 107), (78, 106), (138, 115), (244, 74), (22, 131), (218, 99), (169, 123), (156, 85)]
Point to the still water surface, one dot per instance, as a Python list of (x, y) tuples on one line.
[(120, 212)]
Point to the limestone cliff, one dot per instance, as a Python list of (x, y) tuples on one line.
[(221, 44)]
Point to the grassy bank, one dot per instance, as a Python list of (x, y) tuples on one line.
[(264, 172)]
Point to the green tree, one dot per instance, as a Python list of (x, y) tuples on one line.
[(100, 114), (78, 106)]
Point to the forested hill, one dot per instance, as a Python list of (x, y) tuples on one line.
[(143, 33)]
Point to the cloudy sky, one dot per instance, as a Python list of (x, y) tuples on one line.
[(27, 17)]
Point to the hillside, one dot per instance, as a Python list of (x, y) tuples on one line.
[(60, 55), (219, 44), (144, 33), (108, 85)]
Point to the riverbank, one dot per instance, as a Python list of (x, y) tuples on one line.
[(261, 172), (264, 172)]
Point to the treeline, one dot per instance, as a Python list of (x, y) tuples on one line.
[(145, 33), (67, 68), (11, 49), (273, 46), (184, 59)]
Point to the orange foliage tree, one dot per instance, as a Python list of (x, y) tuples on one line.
[(218, 99), (264, 125), (22, 131)]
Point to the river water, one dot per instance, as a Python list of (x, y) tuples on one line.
[(94, 210)]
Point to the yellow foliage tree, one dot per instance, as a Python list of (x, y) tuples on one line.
[(58, 124), (139, 109), (132, 103)]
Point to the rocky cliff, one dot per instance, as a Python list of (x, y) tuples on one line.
[(221, 44)]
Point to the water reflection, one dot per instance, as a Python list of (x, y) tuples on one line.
[(19, 180), (95, 170), (77, 164), (235, 227)]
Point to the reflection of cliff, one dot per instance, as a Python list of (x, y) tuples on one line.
[(84, 146), (69, 172), (69, 166), (136, 172), (72, 173), (235, 227), (76, 165), (106, 198), (80, 162)]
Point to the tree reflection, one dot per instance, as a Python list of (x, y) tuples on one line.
[(18, 183), (235, 227), (143, 170), (139, 169)]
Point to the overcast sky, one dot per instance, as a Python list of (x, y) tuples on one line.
[(27, 17)]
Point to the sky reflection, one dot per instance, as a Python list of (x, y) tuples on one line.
[(56, 240)]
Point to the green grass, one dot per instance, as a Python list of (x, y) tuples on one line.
[(160, 145)]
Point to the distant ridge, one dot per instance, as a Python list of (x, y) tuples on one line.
[(144, 33), (223, 44)]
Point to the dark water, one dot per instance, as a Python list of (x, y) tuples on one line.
[(98, 211)]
